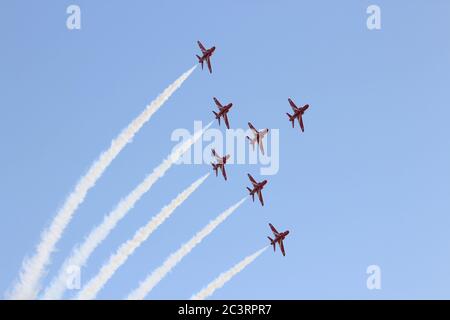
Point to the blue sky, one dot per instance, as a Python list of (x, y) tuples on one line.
[(367, 183)]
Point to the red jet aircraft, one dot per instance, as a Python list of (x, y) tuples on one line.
[(223, 112), (258, 137), (279, 237), (221, 162), (298, 114), (257, 189), (206, 55)]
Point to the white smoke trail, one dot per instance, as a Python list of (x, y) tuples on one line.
[(81, 254), (222, 279), (93, 287), (28, 284), (157, 275)]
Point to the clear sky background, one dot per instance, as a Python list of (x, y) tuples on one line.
[(367, 183)]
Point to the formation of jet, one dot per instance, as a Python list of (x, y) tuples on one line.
[(279, 237), (223, 112), (206, 55), (258, 137), (221, 162), (298, 114), (257, 188)]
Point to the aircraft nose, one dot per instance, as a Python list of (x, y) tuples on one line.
[(287, 232)]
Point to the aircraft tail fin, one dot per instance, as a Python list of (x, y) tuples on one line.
[(252, 194), (252, 142), (291, 119), (217, 116), (200, 60), (215, 168), (272, 243)]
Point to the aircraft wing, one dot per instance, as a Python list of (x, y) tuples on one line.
[(252, 179), (282, 247), (293, 106), (253, 128), (224, 172), (260, 196), (218, 104), (264, 133), (261, 138), (227, 123), (219, 158), (300, 120), (201, 46), (261, 145), (208, 60), (275, 232)]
